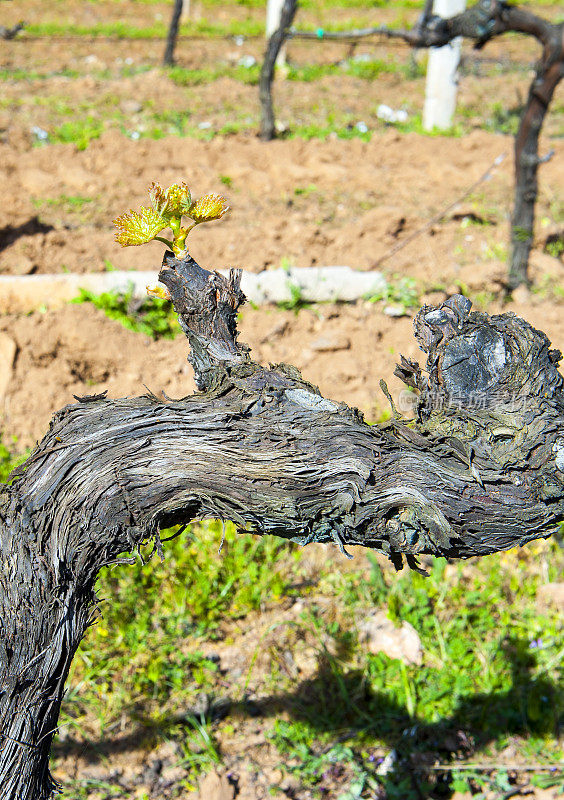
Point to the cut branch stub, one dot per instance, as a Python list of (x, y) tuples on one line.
[(206, 304), (478, 360)]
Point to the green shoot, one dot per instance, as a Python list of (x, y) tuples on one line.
[(168, 206)]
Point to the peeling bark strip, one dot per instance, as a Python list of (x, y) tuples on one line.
[(481, 22), (480, 470)]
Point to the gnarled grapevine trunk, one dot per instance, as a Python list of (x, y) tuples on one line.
[(481, 469)]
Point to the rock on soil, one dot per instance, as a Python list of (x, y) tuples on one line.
[(381, 635)]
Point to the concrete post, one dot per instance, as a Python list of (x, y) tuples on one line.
[(441, 87), (273, 11)]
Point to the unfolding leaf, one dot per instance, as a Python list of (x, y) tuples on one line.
[(139, 227), (158, 198), (208, 207), (172, 202), (159, 291)]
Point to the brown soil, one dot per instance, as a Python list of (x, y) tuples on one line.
[(360, 200), (310, 203), (344, 349)]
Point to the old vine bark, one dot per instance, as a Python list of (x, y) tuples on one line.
[(481, 469)]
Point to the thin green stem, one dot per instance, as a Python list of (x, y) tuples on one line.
[(164, 241)]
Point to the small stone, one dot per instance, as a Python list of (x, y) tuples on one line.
[(8, 351), (39, 133), (381, 636), (330, 343), (290, 785), (274, 776), (388, 764), (551, 594), (521, 295), (21, 264), (247, 61), (395, 311), (216, 787), (129, 106)]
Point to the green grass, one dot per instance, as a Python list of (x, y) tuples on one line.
[(415, 125), (123, 30), (315, 4), (322, 131), (18, 74), (141, 648), (9, 75), (306, 73), (177, 123), (79, 132), (401, 291), (182, 76), (366, 70), (549, 287), (9, 459), (491, 669), (151, 315), (555, 247), (63, 202), (503, 120)]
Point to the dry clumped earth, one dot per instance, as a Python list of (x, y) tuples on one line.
[(318, 202), (360, 200)]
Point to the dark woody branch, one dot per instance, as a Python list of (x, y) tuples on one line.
[(480, 469)]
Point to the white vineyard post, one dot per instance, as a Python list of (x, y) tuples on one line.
[(442, 67), (273, 11)]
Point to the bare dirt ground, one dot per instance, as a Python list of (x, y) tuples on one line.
[(305, 203), (317, 202)]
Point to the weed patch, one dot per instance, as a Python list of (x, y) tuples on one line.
[(504, 120), (401, 291), (142, 647), (78, 132), (9, 460), (152, 316)]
